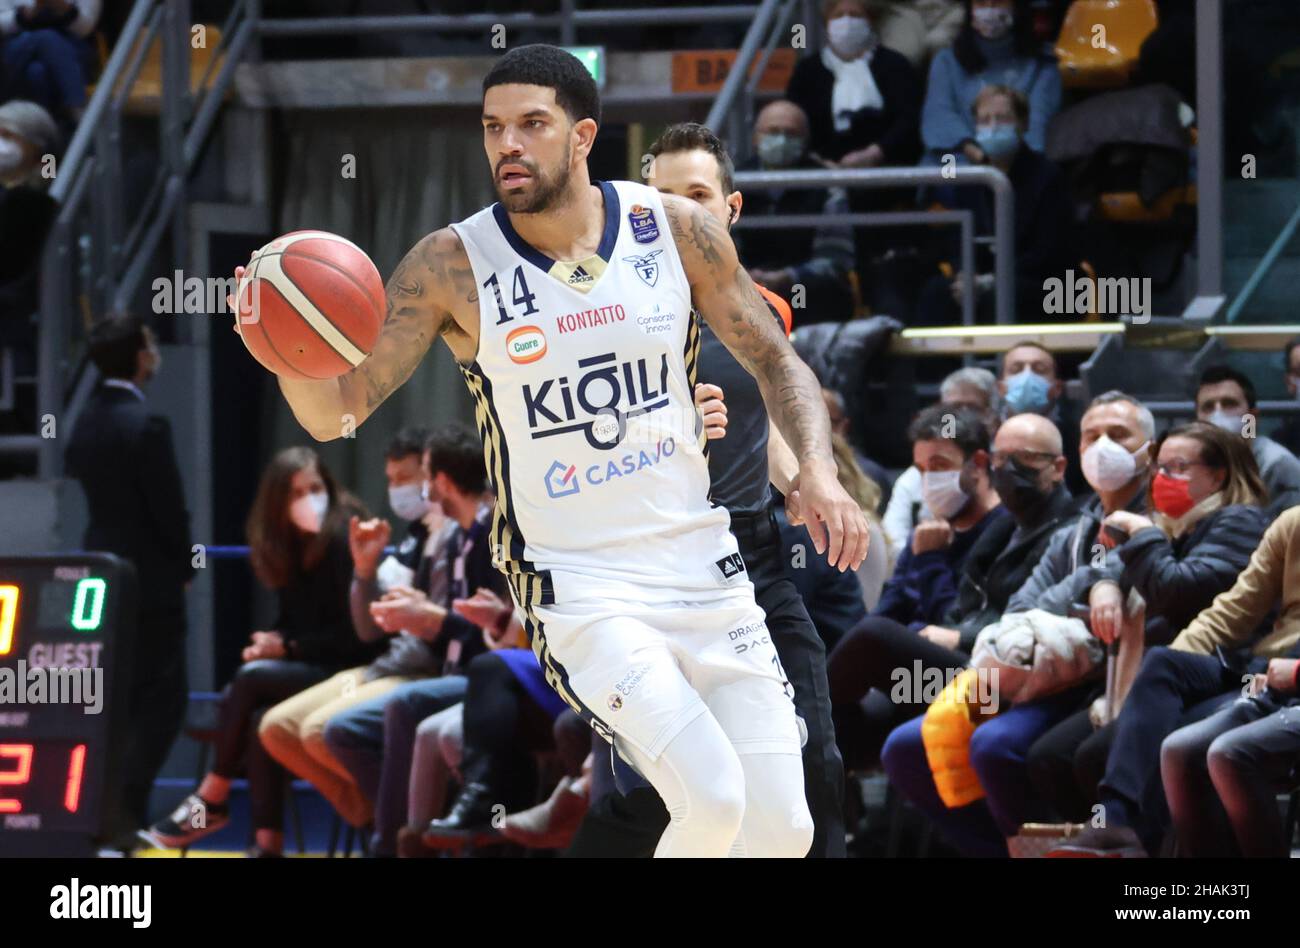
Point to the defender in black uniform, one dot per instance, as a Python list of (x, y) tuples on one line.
[(691, 162)]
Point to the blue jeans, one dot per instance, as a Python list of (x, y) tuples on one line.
[(998, 749), (46, 67), (374, 741)]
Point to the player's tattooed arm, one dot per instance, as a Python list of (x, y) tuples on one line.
[(727, 299), (421, 295)]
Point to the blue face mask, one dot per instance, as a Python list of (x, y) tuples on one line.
[(997, 141), (1027, 391)]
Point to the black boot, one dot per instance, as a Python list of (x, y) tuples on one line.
[(470, 818)]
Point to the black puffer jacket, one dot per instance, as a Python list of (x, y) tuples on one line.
[(995, 569), (1178, 578)]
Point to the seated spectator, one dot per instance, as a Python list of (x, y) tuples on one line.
[(1030, 381), (995, 47), (1026, 471), (27, 133), (1223, 775), (862, 99), (45, 52), (1044, 217), (509, 714), (1205, 522), (974, 388), (920, 28), (298, 546), (1226, 397), (1116, 438), (820, 259), (435, 763), (374, 739), (863, 102), (1197, 675), (1289, 434), (293, 731)]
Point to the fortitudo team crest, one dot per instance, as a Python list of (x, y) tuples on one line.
[(646, 267)]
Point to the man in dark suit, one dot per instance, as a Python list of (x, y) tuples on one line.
[(124, 458)]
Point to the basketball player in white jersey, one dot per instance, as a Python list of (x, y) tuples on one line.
[(568, 307)]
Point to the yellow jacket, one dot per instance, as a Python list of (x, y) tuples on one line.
[(946, 732)]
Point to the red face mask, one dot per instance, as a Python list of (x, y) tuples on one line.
[(1171, 495)]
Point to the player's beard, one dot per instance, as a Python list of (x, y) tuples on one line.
[(547, 188)]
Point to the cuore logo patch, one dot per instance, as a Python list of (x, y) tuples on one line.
[(526, 344)]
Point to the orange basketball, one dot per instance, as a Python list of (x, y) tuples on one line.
[(311, 305)]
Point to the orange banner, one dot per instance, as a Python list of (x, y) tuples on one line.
[(705, 70)]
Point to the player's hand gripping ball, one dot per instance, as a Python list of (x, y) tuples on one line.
[(310, 305)]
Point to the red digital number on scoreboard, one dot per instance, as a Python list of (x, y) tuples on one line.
[(23, 756)]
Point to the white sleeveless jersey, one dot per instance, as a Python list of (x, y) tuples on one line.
[(583, 397)]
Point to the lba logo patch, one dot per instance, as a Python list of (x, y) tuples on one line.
[(645, 229), (647, 267), (525, 344)]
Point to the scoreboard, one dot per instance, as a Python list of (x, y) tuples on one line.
[(66, 624)]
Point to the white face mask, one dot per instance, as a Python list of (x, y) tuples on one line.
[(408, 501), (942, 493), (11, 156), (848, 35), (1228, 422), (308, 511), (991, 22), (1108, 466)]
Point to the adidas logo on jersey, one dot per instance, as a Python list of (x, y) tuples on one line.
[(580, 277)]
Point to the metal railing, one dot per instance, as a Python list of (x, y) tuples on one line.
[(1209, 160), (566, 22), (1004, 273), (1265, 264), (96, 254), (724, 107)]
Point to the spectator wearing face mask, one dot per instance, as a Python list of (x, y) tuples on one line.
[(950, 447), (298, 546), (1205, 529), (1226, 398), (1204, 523), (374, 739), (1288, 435), (974, 388), (1044, 216), (863, 100), (26, 211), (1115, 439), (1030, 382), (1026, 470), (817, 259), (45, 51), (996, 47), (294, 731)]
